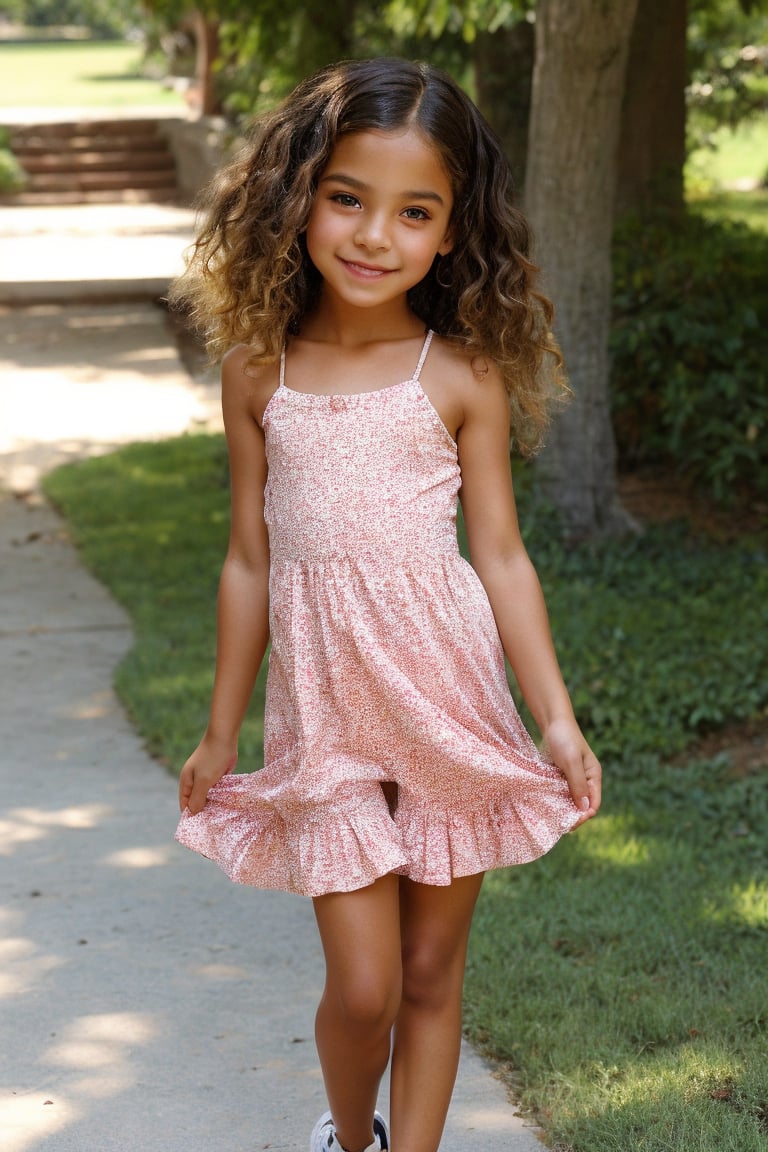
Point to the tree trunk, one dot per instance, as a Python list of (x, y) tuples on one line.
[(652, 139), (578, 82), (206, 33), (503, 70)]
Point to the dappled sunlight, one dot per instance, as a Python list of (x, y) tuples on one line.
[(116, 408), (685, 1087), (625, 850), (13, 834), (750, 904), (152, 355), (21, 967), (222, 972), (77, 816), (103, 1041), (23, 825), (140, 857), (29, 1118), (98, 705), (118, 320), (487, 1119), (99, 1050)]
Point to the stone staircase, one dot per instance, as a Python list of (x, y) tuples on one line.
[(94, 161)]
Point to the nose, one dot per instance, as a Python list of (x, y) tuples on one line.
[(372, 233)]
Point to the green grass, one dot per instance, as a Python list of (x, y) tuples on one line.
[(621, 977), (735, 156), (85, 74), (750, 208)]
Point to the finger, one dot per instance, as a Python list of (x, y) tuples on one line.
[(593, 777), (198, 798), (578, 784), (594, 782), (185, 788)]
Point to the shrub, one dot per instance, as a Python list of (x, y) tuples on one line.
[(12, 175), (690, 347)]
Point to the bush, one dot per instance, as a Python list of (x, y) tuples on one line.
[(103, 18), (690, 347), (12, 175), (656, 633)]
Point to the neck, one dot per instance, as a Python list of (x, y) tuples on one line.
[(335, 322)]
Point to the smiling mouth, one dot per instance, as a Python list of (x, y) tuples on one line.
[(370, 271)]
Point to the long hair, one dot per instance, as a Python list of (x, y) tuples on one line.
[(249, 279)]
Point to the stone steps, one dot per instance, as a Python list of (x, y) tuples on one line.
[(99, 161)]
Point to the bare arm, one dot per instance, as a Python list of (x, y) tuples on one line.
[(509, 578), (243, 601)]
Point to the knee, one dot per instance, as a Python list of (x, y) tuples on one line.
[(368, 1003), (431, 979)]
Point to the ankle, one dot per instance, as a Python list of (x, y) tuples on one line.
[(371, 1146)]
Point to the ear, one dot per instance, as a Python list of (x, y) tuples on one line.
[(447, 244)]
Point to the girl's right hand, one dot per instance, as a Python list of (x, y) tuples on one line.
[(211, 760)]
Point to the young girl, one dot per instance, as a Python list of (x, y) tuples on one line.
[(368, 279)]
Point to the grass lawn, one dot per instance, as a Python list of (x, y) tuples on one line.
[(622, 978), (750, 208), (735, 156), (83, 74)]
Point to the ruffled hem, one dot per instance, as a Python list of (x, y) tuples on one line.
[(331, 849), (344, 847), (441, 846)]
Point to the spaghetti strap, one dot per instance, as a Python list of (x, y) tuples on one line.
[(282, 368), (423, 356)]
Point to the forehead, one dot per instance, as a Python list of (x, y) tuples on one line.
[(403, 160)]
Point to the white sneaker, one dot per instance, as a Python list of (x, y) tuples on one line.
[(381, 1133), (324, 1139)]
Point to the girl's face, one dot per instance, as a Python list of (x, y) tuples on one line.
[(380, 216)]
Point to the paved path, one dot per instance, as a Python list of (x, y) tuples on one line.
[(94, 251), (149, 1005)]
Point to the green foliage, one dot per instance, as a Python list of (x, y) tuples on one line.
[(281, 43), (12, 175), (690, 348), (435, 18), (728, 64), (656, 635), (103, 18)]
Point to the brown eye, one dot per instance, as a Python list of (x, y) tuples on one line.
[(346, 199)]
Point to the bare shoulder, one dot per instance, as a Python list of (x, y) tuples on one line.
[(247, 386), (464, 385)]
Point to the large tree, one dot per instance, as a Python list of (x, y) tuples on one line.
[(652, 150), (578, 86)]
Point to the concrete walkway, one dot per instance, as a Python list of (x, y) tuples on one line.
[(148, 1003)]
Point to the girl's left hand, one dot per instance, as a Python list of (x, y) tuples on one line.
[(565, 744)]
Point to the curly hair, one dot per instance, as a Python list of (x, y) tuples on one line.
[(249, 279)]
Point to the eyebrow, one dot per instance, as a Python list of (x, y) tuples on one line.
[(360, 186)]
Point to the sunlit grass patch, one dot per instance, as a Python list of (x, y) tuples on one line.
[(90, 74), (750, 208)]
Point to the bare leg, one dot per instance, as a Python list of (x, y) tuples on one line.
[(435, 926), (360, 933)]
